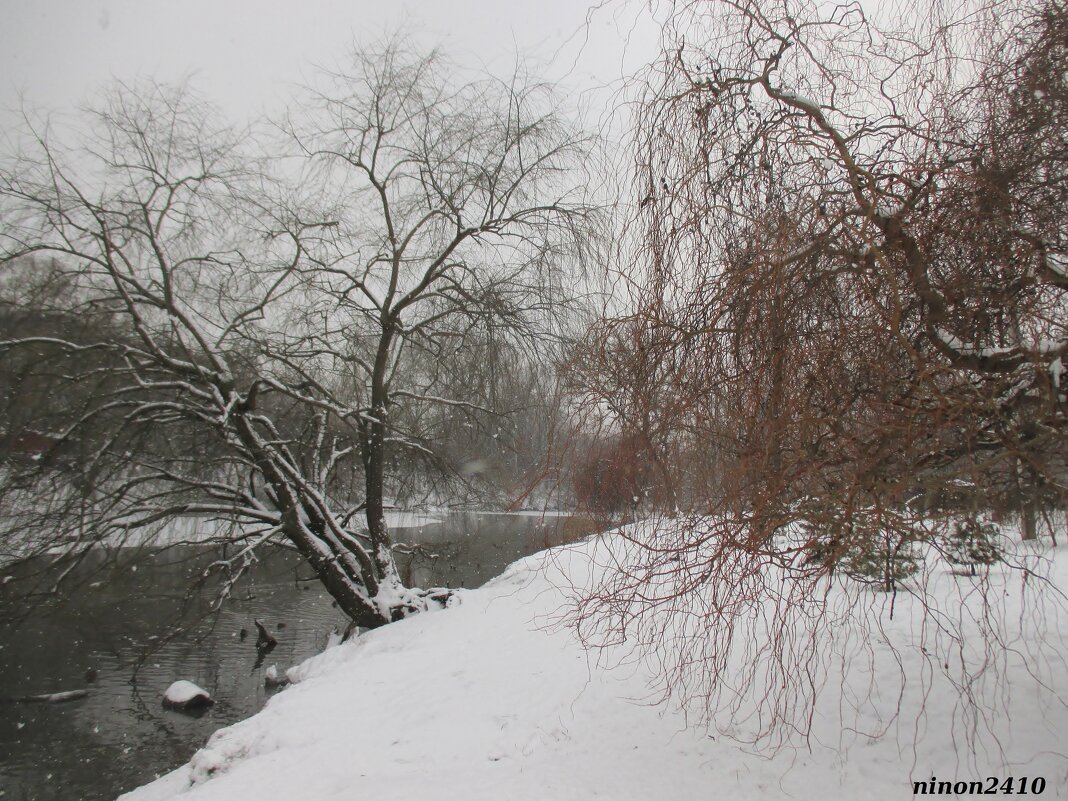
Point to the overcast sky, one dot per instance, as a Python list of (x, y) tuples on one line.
[(246, 55)]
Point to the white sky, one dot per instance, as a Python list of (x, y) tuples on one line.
[(246, 55)]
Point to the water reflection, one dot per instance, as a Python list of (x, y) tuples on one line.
[(127, 638)]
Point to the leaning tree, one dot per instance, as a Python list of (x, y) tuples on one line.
[(850, 283), (274, 321)]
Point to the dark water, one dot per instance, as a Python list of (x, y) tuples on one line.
[(119, 737)]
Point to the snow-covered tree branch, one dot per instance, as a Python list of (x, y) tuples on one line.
[(259, 330)]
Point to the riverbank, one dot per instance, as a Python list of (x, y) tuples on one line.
[(137, 620), (490, 701)]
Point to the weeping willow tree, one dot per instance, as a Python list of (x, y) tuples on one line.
[(851, 285)]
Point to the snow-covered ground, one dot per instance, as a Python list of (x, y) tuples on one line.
[(490, 700)]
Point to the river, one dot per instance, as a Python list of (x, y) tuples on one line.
[(132, 630)]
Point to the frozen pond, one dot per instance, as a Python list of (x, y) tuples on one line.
[(109, 642)]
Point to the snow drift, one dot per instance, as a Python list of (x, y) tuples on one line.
[(493, 699)]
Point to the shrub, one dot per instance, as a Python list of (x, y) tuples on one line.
[(973, 541)]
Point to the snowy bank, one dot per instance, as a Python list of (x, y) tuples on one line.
[(488, 701)]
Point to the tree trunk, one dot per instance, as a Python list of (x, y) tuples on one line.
[(373, 452), (1025, 489), (1028, 520), (349, 583), (374, 458)]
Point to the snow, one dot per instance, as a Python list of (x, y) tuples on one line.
[(887, 210), (182, 692), (185, 529), (808, 103), (403, 518), (58, 698), (196, 529), (525, 513), (1043, 348), (491, 699), (271, 679)]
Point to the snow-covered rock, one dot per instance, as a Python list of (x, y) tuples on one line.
[(186, 695), (271, 679)]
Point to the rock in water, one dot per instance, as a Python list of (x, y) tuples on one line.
[(184, 695), (271, 679)]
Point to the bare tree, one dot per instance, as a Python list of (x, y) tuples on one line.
[(285, 316), (851, 289)]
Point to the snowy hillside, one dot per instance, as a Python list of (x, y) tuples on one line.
[(490, 701)]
